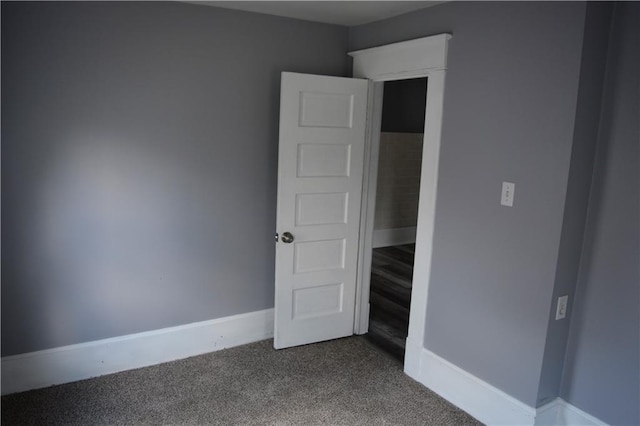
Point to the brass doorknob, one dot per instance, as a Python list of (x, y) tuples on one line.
[(287, 237)]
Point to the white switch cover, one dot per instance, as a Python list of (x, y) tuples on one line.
[(561, 310), (508, 191)]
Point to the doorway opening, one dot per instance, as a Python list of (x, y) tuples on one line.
[(397, 194)]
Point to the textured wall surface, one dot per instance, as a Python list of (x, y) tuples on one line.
[(139, 163)]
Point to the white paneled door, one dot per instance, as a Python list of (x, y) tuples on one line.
[(320, 168)]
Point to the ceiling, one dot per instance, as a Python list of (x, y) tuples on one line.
[(348, 13)]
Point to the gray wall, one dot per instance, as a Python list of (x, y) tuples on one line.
[(509, 112), (602, 369), (139, 163), (594, 58)]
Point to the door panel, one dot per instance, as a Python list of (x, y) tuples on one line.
[(320, 164), (321, 209), (324, 160)]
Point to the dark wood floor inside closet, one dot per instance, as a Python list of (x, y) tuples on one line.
[(391, 275)]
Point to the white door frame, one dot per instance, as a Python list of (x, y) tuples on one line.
[(423, 57)]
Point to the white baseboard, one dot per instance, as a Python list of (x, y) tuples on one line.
[(82, 361), (560, 413), (394, 237), (549, 414), (412, 359), (483, 401)]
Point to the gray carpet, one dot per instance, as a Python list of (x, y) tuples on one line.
[(341, 382)]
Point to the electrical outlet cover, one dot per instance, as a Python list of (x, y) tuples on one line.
[(508, 192)]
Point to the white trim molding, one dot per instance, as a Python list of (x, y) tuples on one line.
[(368, 203), (85, 360), (559, 412), (548, 414), (427, 207), (423, 57), (483, 401), (407, 59)]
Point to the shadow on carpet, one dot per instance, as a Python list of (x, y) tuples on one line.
[(341, 382)]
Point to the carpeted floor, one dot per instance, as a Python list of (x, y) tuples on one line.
[(342, 382)]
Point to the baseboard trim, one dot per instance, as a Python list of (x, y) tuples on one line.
[(483, 401), (549, 414), (394, 237), (412, 359), (559, 412), (82, 361)]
